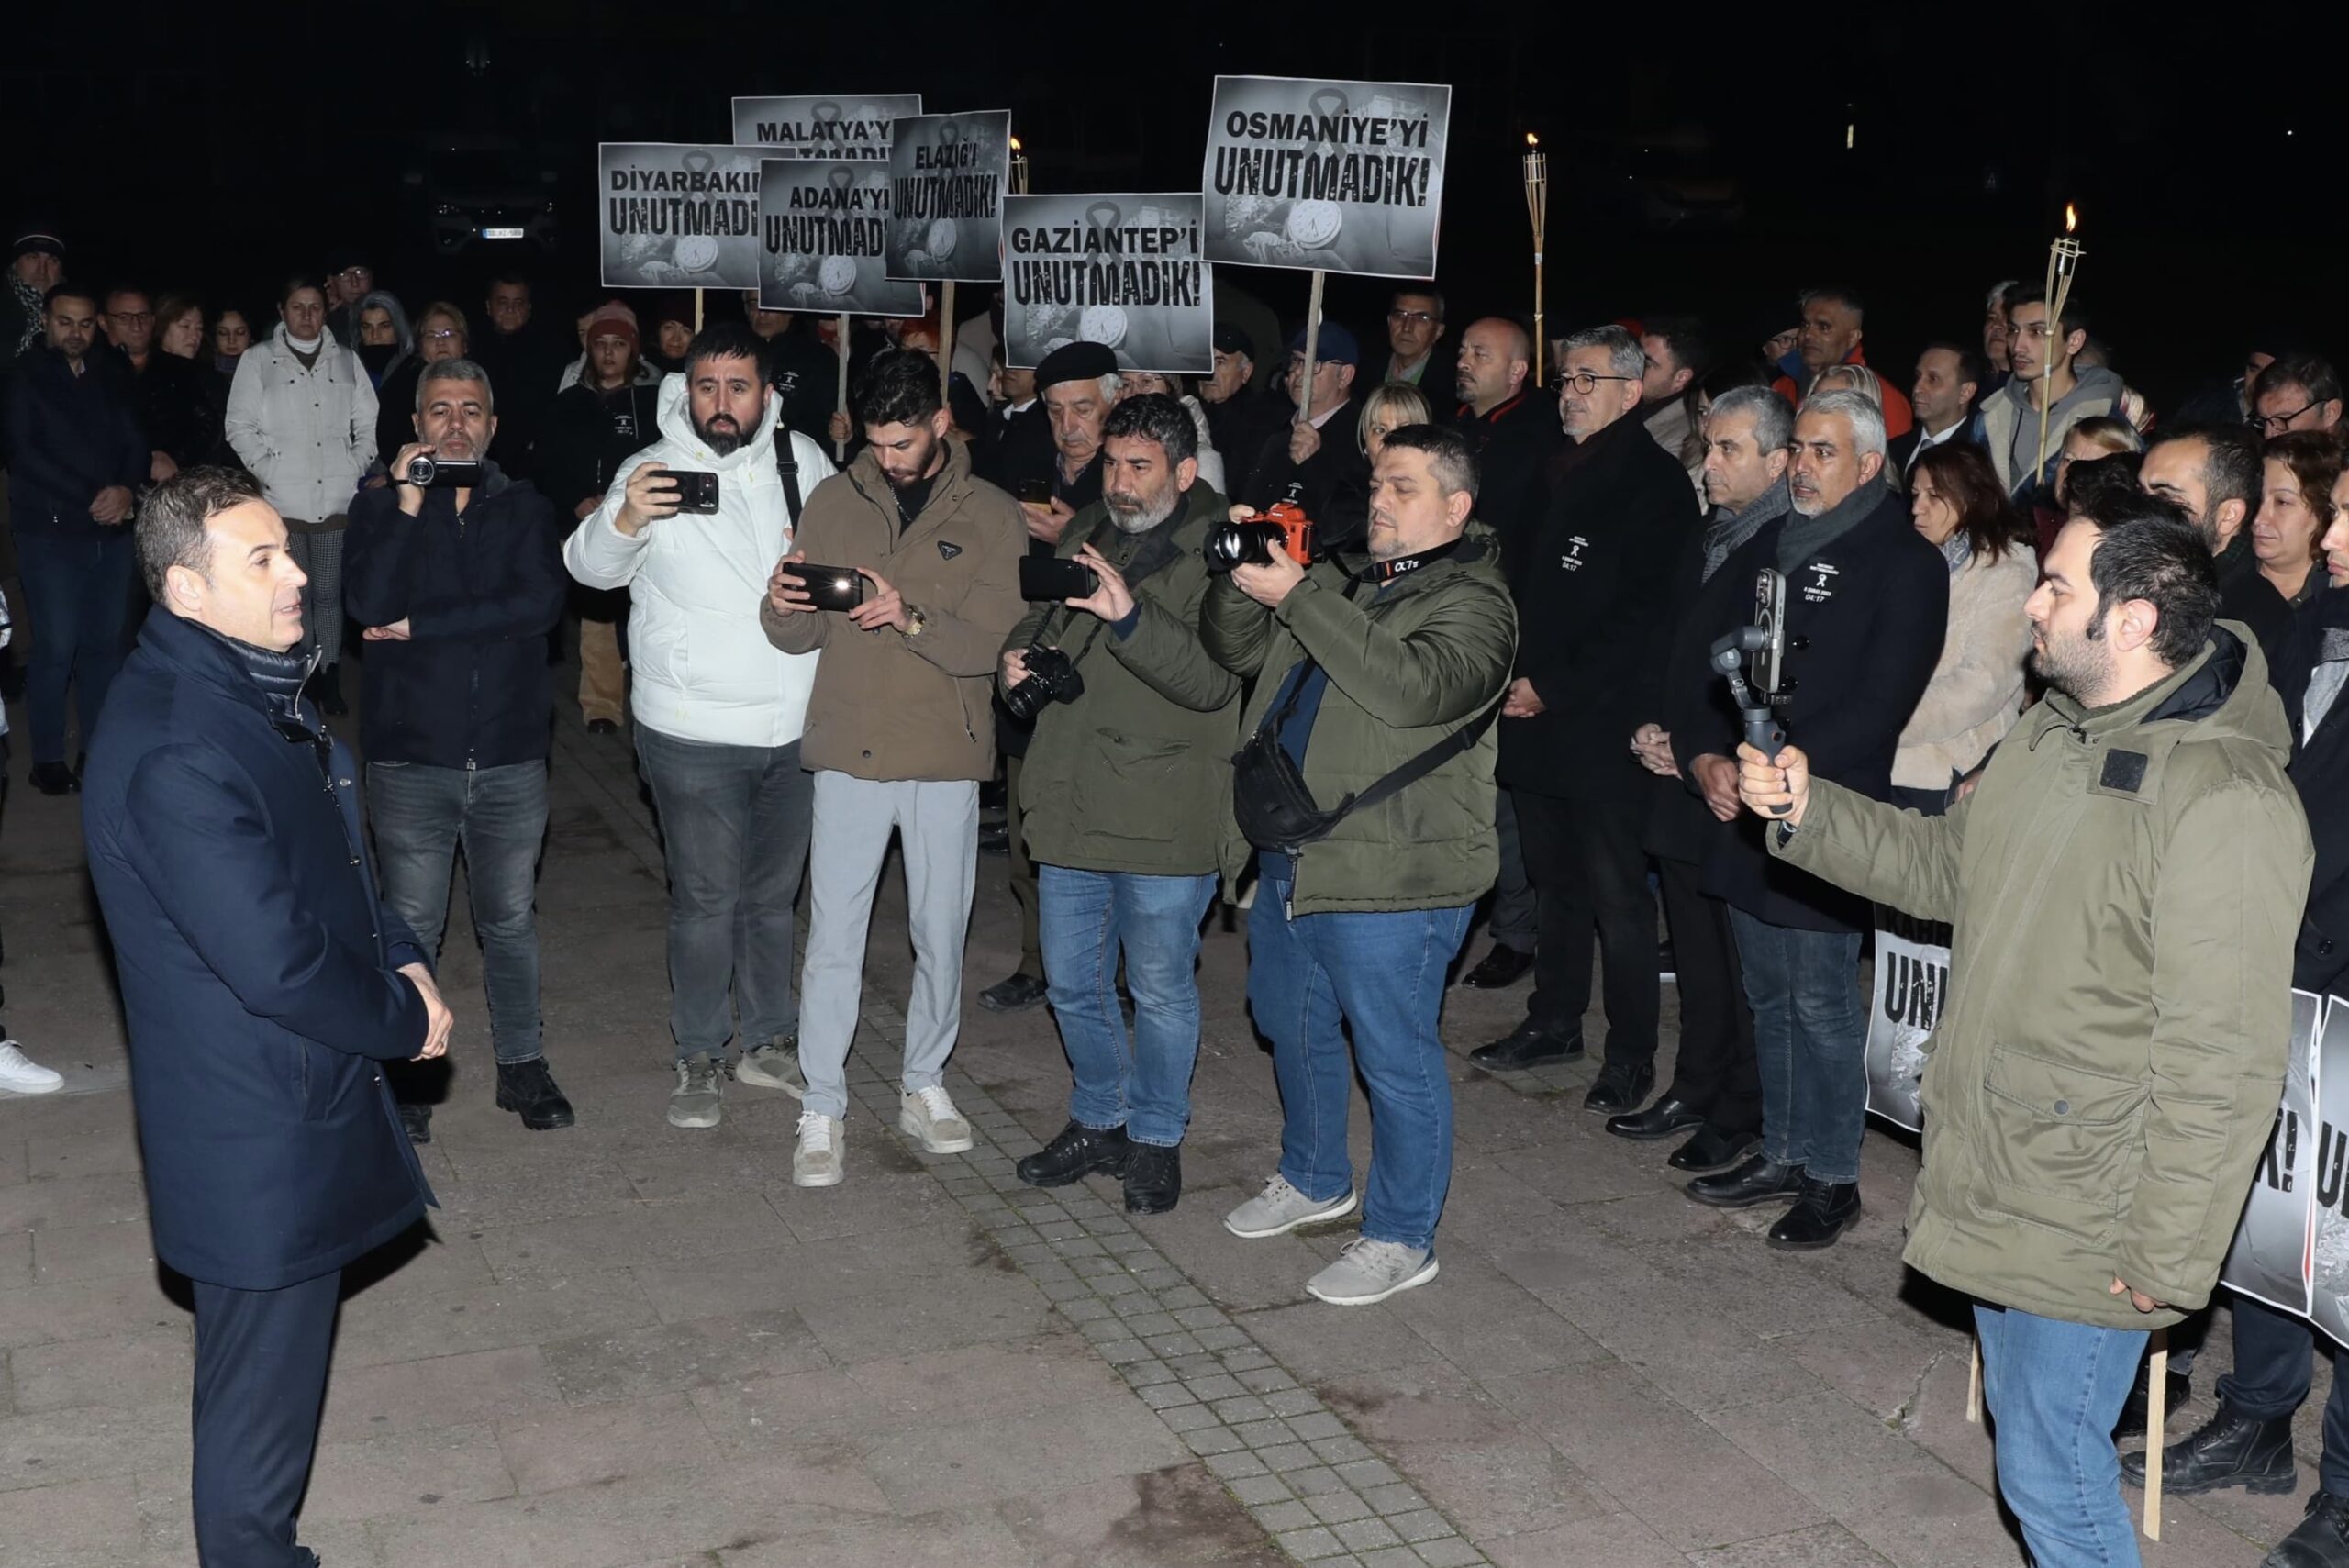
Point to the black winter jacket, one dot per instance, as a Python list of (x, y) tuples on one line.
[(1516, 445), (69, 437), (1591, 583), (1872, 608), (479, 591), (2320, 771)]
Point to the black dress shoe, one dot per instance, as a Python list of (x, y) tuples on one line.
[(1618, 1089), (2177, 1388), (54, 778), (1759, 1180), (1153, 1178), (417, 1121), (1076, 1153), (2320, 1541), (1015, 994), (602, 726), (1712, 1149), (1661, 1119), (528, 1089), (1503, 967), (2228, 1450), (1823, 1212), (1529, 1045)]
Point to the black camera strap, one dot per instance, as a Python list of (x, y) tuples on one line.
[(1158, 552), (787, 465)]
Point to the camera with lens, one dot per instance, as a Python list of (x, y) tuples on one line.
[(1052, 677), (431, 472), (1283, 529)]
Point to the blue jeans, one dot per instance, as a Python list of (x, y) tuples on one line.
[(422, 815), (2275, 1366), (1810, 1039), (77, 594), (734, 823), (2054, 1390), (1141, 1081), (1309, 978)]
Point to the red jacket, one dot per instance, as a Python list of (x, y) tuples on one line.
[(1897, 418)]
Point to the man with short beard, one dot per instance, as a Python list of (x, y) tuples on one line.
[(2211, 473), (1867, 603), (2125, 887), (1123, 799), (720, 709), (897, 744)]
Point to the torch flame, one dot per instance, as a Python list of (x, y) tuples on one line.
[(1531, 139), (2071, 217), (1015, 144)]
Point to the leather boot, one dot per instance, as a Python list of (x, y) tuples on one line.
[(1661, 1119), (1713, 1149), (1503, 967), (2320, 1541), (1076, 1153), (1759, 1180), (2228, 1450), (1153, 1178), (1528, 1045), (2177, 1388), (528, 1089), (1618, 1089), (1823, 1212)]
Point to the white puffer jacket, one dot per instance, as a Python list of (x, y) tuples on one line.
[(308, 435), (702, 669)]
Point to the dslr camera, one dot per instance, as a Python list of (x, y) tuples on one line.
[(432, 472), (1052, 677), (1284, 530)]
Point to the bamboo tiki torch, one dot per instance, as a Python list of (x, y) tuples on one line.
[(1537, 207), (2062, 258)]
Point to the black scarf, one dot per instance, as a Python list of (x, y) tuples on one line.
[(1725, 530), (279, 676), (1803, 538)]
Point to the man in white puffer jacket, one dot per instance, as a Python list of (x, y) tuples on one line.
[(719, 708)]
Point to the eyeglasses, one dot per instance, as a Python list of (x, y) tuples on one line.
[(441, 336), (1584, 383), (131, 318), (1410, 317), (2277, 424)]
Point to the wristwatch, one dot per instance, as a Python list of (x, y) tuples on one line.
[(914, 621)]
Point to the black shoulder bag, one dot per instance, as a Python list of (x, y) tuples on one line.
[(1275, 809), (786, 464)]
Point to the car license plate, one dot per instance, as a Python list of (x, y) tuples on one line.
[(501, 234)]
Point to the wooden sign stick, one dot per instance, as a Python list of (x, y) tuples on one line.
[(1312, 342), (840, 340), (2156, 1414)]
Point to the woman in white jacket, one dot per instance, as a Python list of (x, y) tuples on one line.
[(302, 418), (1976, 690)]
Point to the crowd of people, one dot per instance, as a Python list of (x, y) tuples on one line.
[(2057, 670)]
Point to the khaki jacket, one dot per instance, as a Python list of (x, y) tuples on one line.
[(2126, 884), (886, 705)]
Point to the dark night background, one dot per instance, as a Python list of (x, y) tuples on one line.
[(1698, 156)]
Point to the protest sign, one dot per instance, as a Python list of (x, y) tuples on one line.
[(853, 128), (1905, 1002), (948, 174), (1337, 176), (1123, 271), (2329, 1248), (675, 215), (823, 227), (2274, 1253)]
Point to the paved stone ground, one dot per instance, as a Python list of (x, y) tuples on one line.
[(628, 1345)]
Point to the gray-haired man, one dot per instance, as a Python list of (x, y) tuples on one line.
[(458, 585), (1868, 600)]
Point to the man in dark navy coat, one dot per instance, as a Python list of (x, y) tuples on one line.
[(265, 984)]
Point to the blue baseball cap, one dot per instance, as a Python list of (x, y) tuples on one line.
[(1336, 346)]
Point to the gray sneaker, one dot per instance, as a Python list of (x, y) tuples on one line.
[(929, 1116), (1368, 1271), (1281, 1208), (695, 1101), (775, 1065)]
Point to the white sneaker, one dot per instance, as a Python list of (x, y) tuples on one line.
[(1368, 1271), (775, 1065), (929, 1116), (20, 1074), (1281, 1208), (817, 1162)]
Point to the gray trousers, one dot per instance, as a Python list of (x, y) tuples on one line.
[(1514, 919), (853, 818)]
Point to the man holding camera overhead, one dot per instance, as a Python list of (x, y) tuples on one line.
[(692, 528), (903, 574), (1122, 797), (452, 569)]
